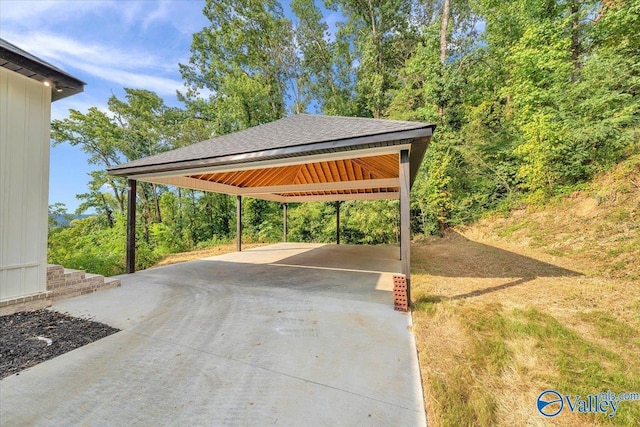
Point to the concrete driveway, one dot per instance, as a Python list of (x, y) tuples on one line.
[(289, 334)]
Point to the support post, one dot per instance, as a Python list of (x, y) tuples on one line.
[(399, 229), (405, 226), (239, 223), (131, 226), (284, 222), (338, 223)]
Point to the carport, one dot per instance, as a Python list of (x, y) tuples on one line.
[(300, 158)]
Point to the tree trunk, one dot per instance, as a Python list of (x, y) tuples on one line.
[(119, 195), (157, 203), (194, 237), (146, 218), (107, 211), (179, 202), (444, 25), (377, 111), (575, 38), (443, 31)]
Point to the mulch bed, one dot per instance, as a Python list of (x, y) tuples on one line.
[(29, 338)]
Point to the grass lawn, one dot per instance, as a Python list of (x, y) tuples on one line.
[(496, 324)]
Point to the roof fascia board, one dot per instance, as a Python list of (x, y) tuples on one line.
[(341, 144), (417, 152), (272, 163), (36, 65)]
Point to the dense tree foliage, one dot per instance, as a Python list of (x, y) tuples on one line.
[(531, 98)]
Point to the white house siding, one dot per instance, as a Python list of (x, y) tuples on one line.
[(25, 112)]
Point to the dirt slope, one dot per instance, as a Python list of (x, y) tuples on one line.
[(598, 228)]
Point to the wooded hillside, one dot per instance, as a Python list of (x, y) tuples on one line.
[(531, 99)]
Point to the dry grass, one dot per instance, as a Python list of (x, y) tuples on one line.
[(203, 253), (507, 326), (543, 299)]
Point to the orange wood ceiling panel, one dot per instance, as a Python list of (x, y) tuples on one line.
[(381, 166), (376, 167)]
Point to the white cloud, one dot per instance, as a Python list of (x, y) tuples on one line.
[(160, 85), (187, 20), (126, 68), (56, 31), (34, 13), (106, 188), (161, 13), (130, 11), (60, 48)]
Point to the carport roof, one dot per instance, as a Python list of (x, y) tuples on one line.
[(297, 158)]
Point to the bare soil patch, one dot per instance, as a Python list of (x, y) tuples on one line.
[(32, 337)]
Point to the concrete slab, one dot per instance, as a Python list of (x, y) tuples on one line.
[(289, 334)]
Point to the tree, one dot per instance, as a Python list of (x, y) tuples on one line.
[(380, 34), (246, 60), (98, 136), (326, 74)]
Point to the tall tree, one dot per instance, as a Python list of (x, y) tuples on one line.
[(138, 126), (245, 60), (380, 33), (146, 123), (326, 72), (98, 136), (444, 30)]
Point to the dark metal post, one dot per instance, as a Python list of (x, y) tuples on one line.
[(284, 222), (239, 223), (131, 226), (338, 223), (399, 230), (405, 226)]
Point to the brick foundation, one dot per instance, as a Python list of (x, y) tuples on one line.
[(61, 283), (26, 303)]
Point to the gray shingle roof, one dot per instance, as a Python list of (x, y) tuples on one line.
[(294, 131)]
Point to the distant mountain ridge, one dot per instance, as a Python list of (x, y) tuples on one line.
[(64, 220)]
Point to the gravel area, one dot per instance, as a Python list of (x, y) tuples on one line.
[(29, 338)]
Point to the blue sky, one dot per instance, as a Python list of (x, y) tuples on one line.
[(109, 45)]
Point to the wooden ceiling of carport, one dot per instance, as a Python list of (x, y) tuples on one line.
[(361, 178), (358, 169)]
